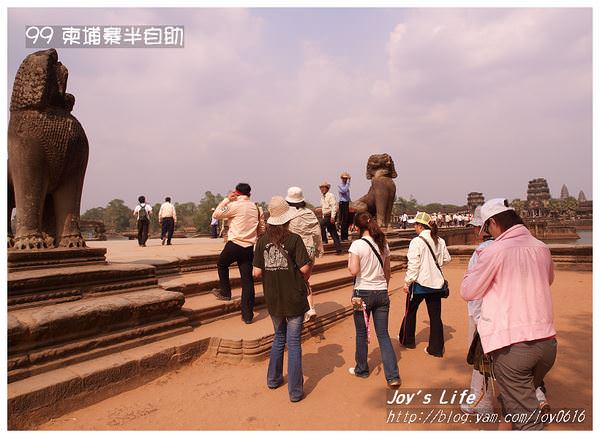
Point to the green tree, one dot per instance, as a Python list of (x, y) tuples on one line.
[(518, 205), (117, 216), (404, 205), (203, 214), (154, 225), (94, 214), (185, 214), (569, 206)]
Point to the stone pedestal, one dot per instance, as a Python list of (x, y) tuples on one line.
[(67, 305), (54, 257)]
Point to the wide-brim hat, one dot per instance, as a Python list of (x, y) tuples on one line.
[(279, 211), (294, 195), (345, 175), (477, 221), (421, 218), (325, 184)]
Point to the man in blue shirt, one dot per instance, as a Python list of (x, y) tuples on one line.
[(344, 196)]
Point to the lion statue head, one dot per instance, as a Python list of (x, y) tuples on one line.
[(41, 82), (381, 165)]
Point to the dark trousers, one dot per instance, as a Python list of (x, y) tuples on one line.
[(436, 328), (214, 232), (142, 226), (344, 217), (243, 257), (326, 225), (519, 369), (378, 305), (168, 226)]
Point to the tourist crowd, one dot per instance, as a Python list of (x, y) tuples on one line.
[(512, 341)]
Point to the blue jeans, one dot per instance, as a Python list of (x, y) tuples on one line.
[(287, 330), (378, 304)]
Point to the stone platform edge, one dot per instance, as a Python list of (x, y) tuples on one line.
[(71, 390)]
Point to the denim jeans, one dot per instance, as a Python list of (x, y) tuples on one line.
[(378, 304), (287, 330)]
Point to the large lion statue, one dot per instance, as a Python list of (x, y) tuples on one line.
[(47, 156), (382, 194)]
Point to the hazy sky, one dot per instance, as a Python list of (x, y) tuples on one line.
[(463, 99)]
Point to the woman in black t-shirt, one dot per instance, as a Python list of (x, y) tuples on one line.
[(281, 258)]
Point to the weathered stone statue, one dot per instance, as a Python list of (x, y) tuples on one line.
[(47, 156), (382, 194)]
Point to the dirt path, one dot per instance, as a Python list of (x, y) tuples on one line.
[(210, 395)]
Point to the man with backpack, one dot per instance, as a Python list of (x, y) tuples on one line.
[(142, 214)]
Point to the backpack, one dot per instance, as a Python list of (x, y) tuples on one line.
[(143, 214)]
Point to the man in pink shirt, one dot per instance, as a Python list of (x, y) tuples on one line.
[(512, 277), (244, 217)]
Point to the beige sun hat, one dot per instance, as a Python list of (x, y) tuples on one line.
[(325, 184), (279, 211), (421, 218), (345, 175), (294, 195)]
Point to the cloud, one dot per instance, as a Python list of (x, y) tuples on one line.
[(469, 99)]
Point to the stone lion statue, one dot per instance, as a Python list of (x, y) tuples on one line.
[(47, 156), (381, 196)]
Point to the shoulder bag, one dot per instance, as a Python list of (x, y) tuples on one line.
[(418, 289)]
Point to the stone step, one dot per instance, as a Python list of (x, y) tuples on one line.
[(53, 285), (44, 329), (193, 283), (42, 360), (19, 260), (34, 400), (205, 309), (169, 265)]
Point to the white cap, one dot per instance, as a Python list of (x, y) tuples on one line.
[(494, 207), (476, 221)]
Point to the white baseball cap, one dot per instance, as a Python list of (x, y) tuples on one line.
[(494, 207), (476, 221)]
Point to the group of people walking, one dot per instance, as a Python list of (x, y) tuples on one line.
[(507, 285), (167, 218)]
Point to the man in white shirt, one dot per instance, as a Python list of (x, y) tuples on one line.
[(142, 213), (167, 217), (244, 219), (329, 208)]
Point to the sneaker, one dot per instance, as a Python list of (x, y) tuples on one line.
[(545, 407), (394, 383), (163, 241), (353, 372), (219, 296), (312, 313), (473, 409), (540, 394)]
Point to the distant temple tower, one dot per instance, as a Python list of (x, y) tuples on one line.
[(584, 207), (564, 192), (474, 199), (537, 193), (538, 190)]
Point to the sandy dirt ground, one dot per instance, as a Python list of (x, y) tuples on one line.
[(211, 395)]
